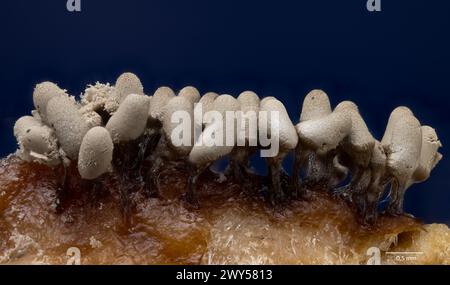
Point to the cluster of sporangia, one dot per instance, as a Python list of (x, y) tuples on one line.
[(118, 127)]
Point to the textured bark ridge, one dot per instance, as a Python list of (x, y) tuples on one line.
[(233, 226)]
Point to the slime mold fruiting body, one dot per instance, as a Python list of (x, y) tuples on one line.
[(205, 104), (204, 152), (288, 140), (357, 148), (126, 84), (402, 160), (167, 149), (429, 155), (129, 121), (320, 133), (247, 141), (117, 128), (42, 94), (96, 153)]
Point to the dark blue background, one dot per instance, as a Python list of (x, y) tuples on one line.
[(281, 48)]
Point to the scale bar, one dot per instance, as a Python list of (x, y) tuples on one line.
[(404, 252)]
